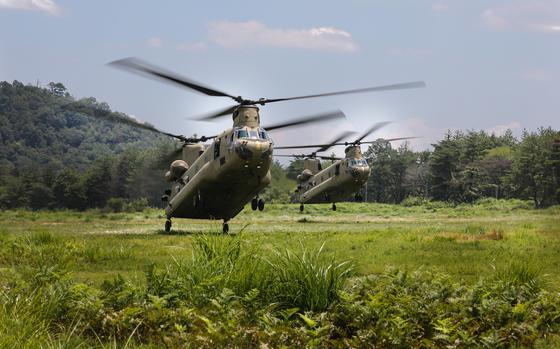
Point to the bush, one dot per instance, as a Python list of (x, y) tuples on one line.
[(413, 201), (115, 204)]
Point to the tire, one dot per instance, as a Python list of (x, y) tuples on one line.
[(334, 206), (301, 208), (254, 204), (167, 226), (225, 228), (260, 204)]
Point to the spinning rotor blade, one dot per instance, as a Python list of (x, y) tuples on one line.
[(334, 141), (406, 85), (337, 114), (218, 113), (309, 156), (124, 119), (138, 66), (372, 129), (388, 140), (342, 143)]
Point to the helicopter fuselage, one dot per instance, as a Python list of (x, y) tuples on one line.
[(335, 183), (226, 175)]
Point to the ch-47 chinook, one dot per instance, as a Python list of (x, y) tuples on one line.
[(215, 181), (337, 182)]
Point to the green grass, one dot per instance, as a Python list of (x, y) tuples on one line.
[(100, 279)]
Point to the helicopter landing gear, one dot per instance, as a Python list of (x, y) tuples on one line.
[(168, 225), (225, 227), (301, 208), (257, 203), (359, 198), (333, 206)]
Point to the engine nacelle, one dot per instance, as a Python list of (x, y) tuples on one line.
[(178, 168), (305, 175)]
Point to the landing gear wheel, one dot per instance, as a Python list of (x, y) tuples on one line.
[(225, 228), (301, 208), (260, 204), (334, 206), (254, 204), (168, 225)]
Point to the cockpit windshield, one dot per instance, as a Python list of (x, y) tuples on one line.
[(259, 134), (357, 162)]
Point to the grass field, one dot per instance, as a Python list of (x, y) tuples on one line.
[(463, 245)]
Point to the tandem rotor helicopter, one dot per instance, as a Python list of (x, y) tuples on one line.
[(216, 180), (344, 177)]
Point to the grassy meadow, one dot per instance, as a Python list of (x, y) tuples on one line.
[(425, 275)]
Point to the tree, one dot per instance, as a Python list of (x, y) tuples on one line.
[(535, 167)]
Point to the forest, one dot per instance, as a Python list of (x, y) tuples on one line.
[(61, 152)]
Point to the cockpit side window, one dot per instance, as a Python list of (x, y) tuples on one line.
[(241, 133), (262, 134), (253, 134)]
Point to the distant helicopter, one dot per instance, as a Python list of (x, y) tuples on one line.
[(337, 182), (215, 181)]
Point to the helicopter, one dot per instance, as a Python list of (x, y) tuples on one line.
[(217, 180), (344, 177)]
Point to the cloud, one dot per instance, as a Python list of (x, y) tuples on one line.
[(254, 33), (500, 130), (440, 7), (48, 6), (191, 47), (533, 16), (154, 42)]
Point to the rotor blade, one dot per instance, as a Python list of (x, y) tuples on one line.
[(217, 113), (372, 129), (341, 143), (386, 140), (334, 141), (406, 85), (337, 114), (121, 118), (309, 156), (328, 157), (139, 66)]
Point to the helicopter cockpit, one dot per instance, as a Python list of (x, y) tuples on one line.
[(357, 163), (258, 134)]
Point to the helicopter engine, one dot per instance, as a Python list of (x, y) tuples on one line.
[(176, 170), (305, 175)]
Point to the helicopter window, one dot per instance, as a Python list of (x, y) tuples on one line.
[(262, 134), (242, 133), (253, 134)]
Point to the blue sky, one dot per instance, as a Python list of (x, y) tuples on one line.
[(488, 64)]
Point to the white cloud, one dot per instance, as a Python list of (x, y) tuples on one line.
[(501, 129), (536, 16), (48, 6), (154, 42), (191, 47), (440, 7), (254, 33)]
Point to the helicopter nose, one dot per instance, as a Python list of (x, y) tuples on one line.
[(250, 150), (360, 173)]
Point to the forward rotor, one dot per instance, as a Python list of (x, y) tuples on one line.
[(144, 68)]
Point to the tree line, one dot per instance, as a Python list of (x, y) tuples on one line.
[(466, 166), (59, 152)]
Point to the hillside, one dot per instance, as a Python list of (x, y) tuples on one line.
[(42, 127)]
